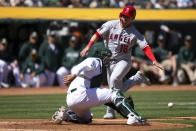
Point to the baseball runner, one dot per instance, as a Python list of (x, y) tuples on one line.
[(80, 97), (120, 36)]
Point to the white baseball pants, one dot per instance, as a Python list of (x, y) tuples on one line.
[(81, 100)]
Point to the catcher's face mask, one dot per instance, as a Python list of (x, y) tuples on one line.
[(106, 57), (103, 54)]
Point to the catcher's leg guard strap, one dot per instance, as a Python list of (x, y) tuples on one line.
[(122, 104)]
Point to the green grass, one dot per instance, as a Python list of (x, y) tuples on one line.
[(149, 104)]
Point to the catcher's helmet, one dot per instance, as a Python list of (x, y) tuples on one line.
[(101, 52), (129, 11)]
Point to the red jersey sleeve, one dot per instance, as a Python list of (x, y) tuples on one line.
[(148, 52)]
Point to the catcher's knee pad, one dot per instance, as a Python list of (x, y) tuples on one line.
[(122, 104)]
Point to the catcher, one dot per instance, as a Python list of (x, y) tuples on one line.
[(80, 97)]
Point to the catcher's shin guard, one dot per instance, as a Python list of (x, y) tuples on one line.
[(130, 101), (122, 105), (112, 105)]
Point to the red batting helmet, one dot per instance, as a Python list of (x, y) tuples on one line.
[(129, 11)]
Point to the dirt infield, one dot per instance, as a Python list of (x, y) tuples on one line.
[(96, 125), (59, 90)]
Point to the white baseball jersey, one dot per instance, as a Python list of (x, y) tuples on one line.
[(87, 69), (120, 41), (80, 97)]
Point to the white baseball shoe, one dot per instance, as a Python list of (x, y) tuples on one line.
[(4, 85), (132, 120), (23, 85), (109, 115), (60, 115), (164, 79), (145, 80)]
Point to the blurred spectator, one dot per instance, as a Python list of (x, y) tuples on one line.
[(138, 4), (76, 4), (174, 37), (34, 3), (95, 4), (4, 3), (194, 4), (105, 3), (167, 60), (130, 2), (187, 60), (113, 3), (184, 3), (159, 4), (8, 64), (32, 73), (27, 47), (149, 5), (14, 2), (50, 54), (163, 56), (172, 4), (120, 3), (142, 63), (149, 36), (144, 4), (63, 3), (70, 58), (79, 36), (21, 3)]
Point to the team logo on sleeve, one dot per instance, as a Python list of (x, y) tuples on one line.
[(93, 64), (127, 10)]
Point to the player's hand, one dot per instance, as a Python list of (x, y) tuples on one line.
[(191, 65), (85, 51), (21, 76), (32, 74), (158, 65), (67, 79)]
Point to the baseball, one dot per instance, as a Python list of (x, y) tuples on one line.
[(170, 105)]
